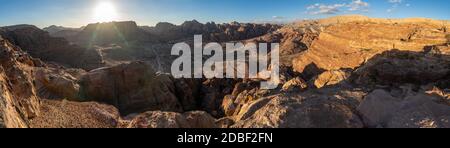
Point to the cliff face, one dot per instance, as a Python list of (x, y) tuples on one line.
[(18, 100), (25, 85), (111, 33), (349, 44), (40, 44), (211, 31), (55, 29)]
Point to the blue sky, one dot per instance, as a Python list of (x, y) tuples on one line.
[(76, 13)]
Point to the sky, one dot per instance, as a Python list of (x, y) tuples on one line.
[(77, 13)]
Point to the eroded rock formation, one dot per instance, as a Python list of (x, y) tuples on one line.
[(18, 100), (348, 45), (132, 88), (39, 44), (158, 119)]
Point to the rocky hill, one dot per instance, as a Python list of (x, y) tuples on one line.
[(54, 30), (40, 44), (113, 32)]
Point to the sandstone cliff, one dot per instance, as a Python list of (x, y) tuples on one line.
[(18, 100), (348, 43)]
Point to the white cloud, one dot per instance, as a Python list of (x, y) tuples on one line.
[(277, 17), (396, 4), (325, 9), (353, 5), (395, 1), (358, 5)]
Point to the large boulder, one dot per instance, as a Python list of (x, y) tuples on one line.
[(158, 119), (378, 107), (295, 84), (133, 88), (331, 77), (53, 83), (306, 110), (412, 110)]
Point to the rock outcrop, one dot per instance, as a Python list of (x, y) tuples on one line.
[(53, 29), (54, 83), (214, 90), (158, 119), (348, 45), (132, 88), (296, 84), (307, 110), (39, 44), (18, 98), (2, 124), (381, 109), (331, 77), (211, 31), (293, 39), (123, 33), (397, 67)]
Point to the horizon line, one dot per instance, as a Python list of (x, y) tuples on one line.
[(281, 22)]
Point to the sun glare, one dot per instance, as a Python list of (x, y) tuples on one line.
[(105, 12)]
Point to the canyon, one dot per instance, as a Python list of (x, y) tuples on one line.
[(338, 72)]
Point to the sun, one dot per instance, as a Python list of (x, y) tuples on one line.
[(105, 12)]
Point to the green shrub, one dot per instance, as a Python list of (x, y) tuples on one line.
[(366, 49)]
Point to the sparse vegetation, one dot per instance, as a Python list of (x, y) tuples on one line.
[(448, 38), (365, 49)]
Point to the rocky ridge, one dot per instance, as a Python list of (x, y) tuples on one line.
[(40, 44)]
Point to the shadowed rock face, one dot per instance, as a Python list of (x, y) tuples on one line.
[(381, 109), (2, 124), (132, 88), (211, 31), (157, 119), (397, 67), (111, 33), (39, 44)]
